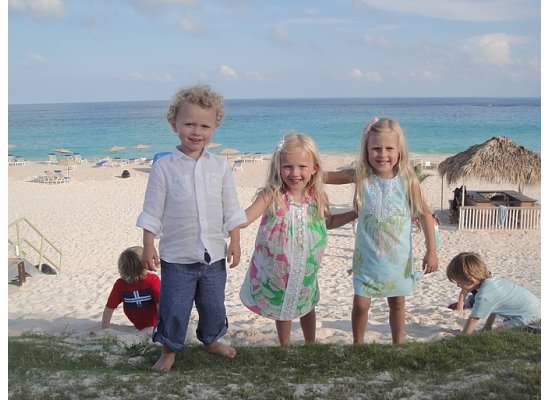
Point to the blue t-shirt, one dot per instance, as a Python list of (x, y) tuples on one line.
[(506, 299)]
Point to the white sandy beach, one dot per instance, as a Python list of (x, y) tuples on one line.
[(92, 219)]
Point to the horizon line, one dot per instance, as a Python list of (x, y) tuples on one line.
[(287, 98)]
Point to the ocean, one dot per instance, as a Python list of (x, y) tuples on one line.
[(432, 125)]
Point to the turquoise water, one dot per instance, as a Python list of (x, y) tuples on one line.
[(432, 125)]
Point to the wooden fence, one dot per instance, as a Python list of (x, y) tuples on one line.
[(498, 218)]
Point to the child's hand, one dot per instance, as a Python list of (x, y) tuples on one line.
[(233, 254), (150, 258), (429, 264)]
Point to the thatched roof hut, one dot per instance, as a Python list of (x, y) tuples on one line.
[(498, 160)]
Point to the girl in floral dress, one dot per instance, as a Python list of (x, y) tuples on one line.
[(281, 282), (387, 198)]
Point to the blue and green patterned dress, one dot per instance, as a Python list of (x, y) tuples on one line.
[(382, 260)]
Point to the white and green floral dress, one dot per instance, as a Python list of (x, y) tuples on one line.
[(281, 282), (382, 260)]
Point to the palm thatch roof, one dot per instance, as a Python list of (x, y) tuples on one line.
[(497, 160)]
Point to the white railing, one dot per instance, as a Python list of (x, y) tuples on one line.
[(498, 218), (42, 249)]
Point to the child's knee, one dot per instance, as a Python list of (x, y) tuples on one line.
[(361, 304), (396, 303)]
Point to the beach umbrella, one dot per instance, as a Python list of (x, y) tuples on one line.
[(213, 145), (227, 151), (115, 148), (62, 150), (498, 160), (142, 146)]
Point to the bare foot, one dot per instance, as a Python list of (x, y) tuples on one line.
[(165, 361), (222, 349)]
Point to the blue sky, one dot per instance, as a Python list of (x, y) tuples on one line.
[(107, 50)]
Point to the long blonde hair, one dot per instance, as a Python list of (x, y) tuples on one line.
[(386, 126), (275, 187)]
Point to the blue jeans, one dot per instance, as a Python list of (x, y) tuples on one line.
[(181, 284)]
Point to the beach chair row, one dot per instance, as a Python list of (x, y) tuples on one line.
[(15, 160), (120, 162), (52, 178)]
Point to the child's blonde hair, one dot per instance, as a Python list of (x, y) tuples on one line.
[(468, 267), (275, 187), (200, 95), (385, 126), (130, 267)]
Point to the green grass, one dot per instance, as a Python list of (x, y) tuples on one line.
[(498, 365)]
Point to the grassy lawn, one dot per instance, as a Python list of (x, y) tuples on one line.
[(488, 365)]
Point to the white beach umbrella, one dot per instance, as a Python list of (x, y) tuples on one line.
[(228, 151), (115, 148)]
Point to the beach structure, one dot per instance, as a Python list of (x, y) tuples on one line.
[(28, 246), (498, 160)]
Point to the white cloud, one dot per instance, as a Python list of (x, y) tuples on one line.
[(158, 77), (463, 10), (189, 24), (280, 33), (492, 48), (371, 76), (37, 8), (228, 72)]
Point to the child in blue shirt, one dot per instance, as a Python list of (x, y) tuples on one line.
[(495, 296)]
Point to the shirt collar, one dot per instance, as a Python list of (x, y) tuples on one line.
[(177, 154)]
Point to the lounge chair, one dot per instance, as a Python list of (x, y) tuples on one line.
[(237, 165)]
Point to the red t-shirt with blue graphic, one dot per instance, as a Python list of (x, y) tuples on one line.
[(140, 299)]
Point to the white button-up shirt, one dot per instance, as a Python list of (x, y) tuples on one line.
[(192, 205)]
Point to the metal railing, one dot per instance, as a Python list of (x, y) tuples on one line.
[(22, 244), (498, 218)]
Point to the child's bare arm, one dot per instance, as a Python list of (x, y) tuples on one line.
[(256, 209), (470, 325), (337, 220), (461, 300), (149, 258), (339, 177), (489, 323), (234, 249), (430, 262), (106, 319)]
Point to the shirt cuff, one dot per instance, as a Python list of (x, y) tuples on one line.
[(236, 219), (150, 223)]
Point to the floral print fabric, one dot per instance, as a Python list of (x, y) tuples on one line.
[(281, 282)]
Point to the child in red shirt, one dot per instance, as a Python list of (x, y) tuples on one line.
[(137, 288)]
